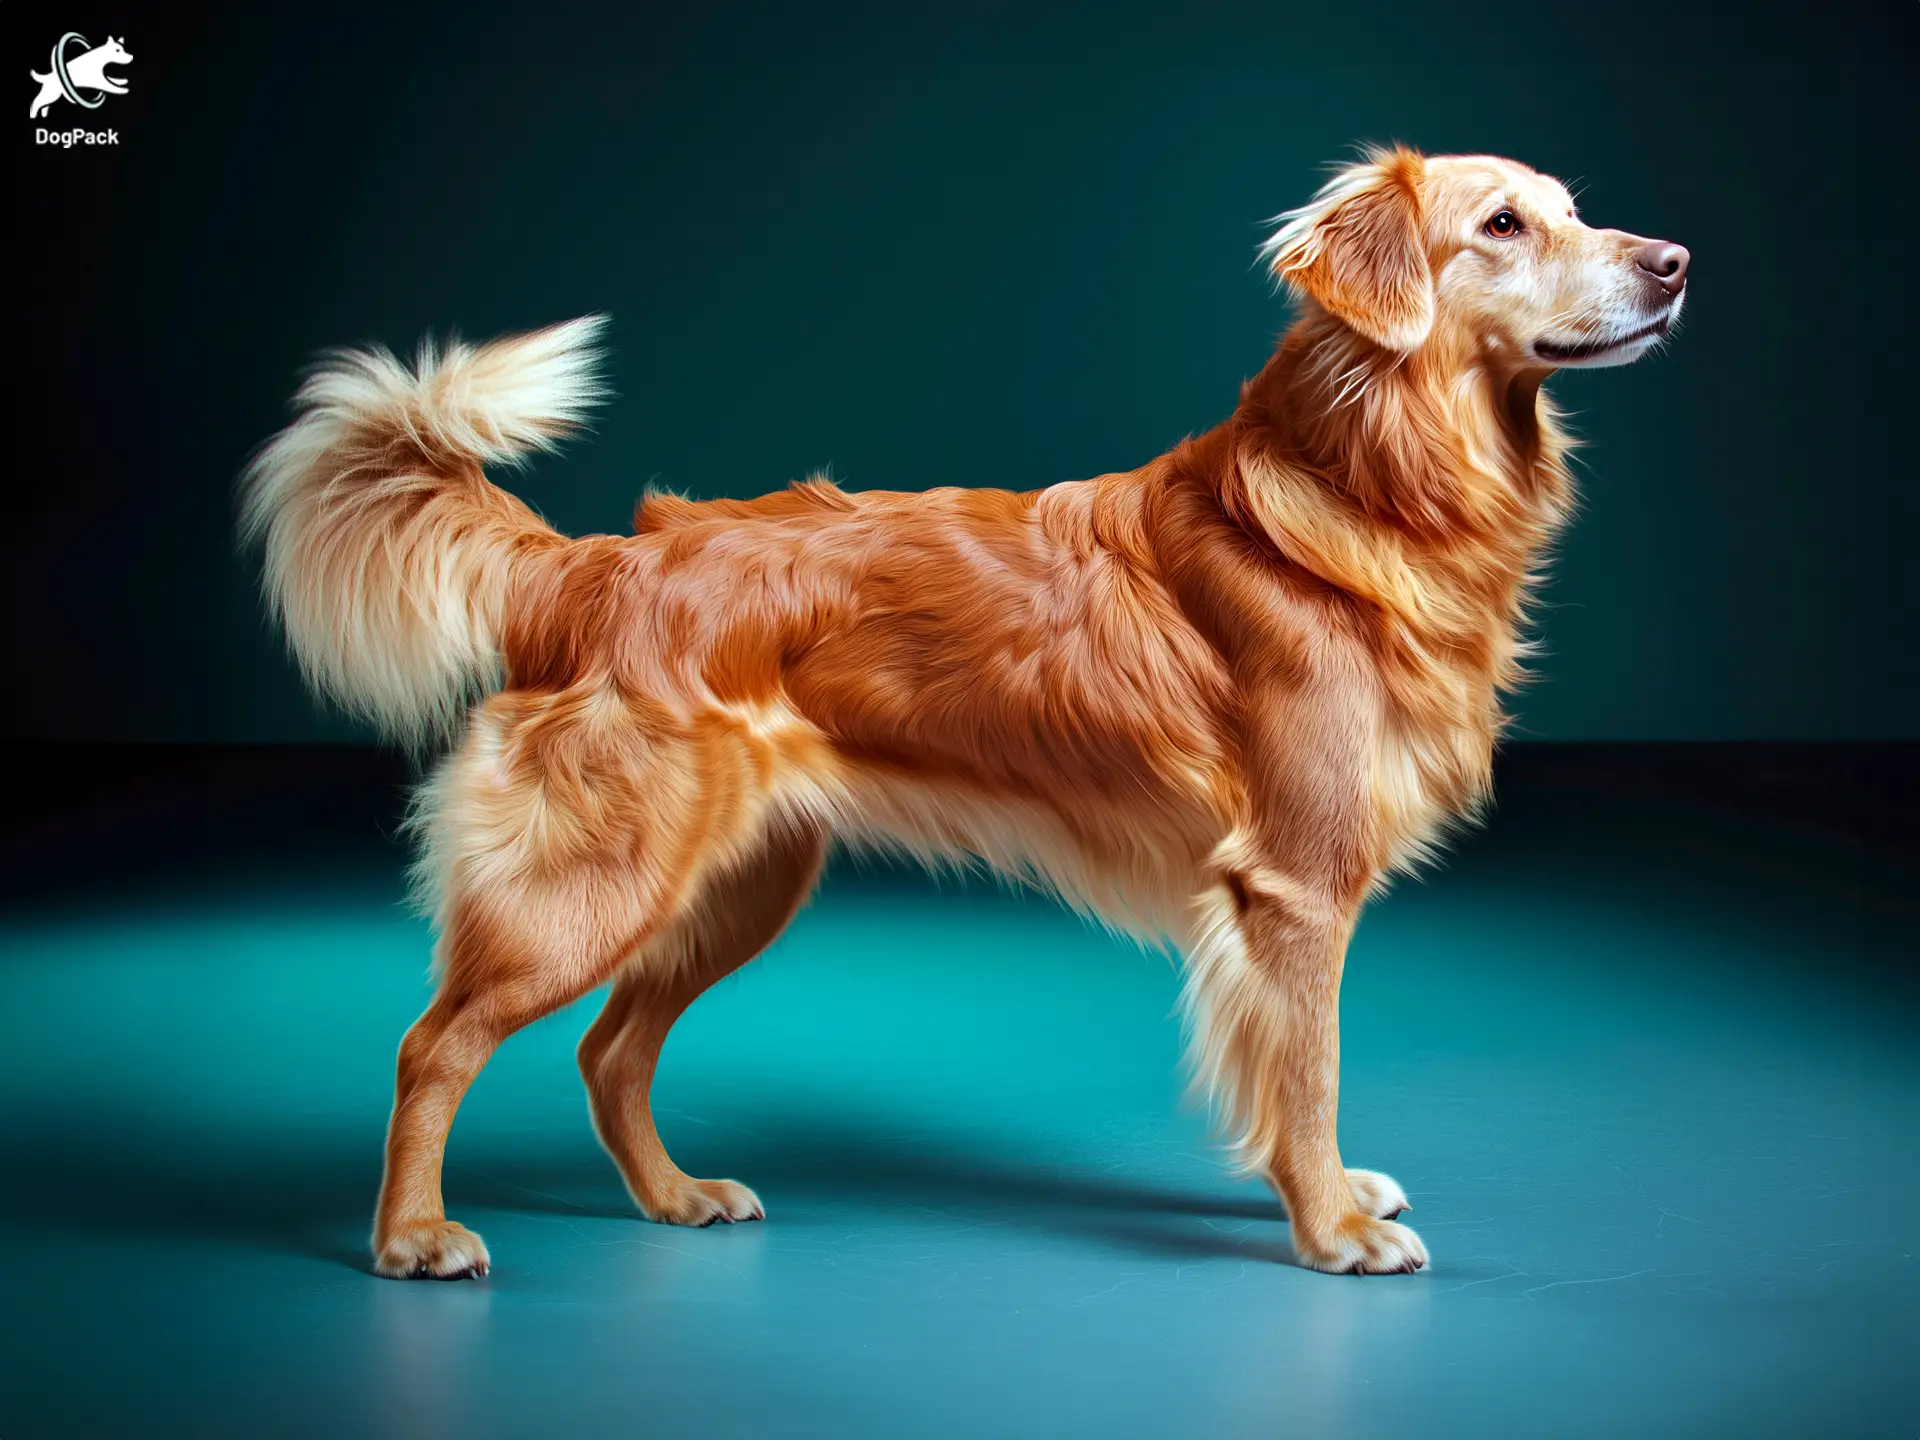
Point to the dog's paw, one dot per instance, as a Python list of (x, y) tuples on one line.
[(706, 1202), (1377, 1195), (1362, 1245), (430, 1250)]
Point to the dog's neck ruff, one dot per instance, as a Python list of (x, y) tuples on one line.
[(1426, 488), (1426, 497)]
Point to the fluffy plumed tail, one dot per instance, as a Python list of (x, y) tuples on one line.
[(388, 552)]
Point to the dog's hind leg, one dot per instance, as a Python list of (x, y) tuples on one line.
[(564, 850), (735, 916), (510, 956)]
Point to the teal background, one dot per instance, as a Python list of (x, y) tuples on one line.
[(980, 249)]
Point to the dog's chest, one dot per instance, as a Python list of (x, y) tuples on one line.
[(1432, 754)]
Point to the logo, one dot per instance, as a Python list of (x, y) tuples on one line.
[(77, 71)]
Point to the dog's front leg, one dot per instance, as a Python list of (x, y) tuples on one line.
[(1265, 978)]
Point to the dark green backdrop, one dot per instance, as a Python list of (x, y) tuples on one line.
[(973, 250)]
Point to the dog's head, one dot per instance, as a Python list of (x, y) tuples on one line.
[(1480, 254), (113, 53)]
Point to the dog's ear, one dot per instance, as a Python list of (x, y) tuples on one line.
[(1357, 250)]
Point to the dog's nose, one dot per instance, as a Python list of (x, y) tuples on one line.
[(1665, 262)]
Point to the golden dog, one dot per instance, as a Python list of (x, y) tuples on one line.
[(1214, 700)]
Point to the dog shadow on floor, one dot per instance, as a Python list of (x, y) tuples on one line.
[(804, 1164), (306, 1191)]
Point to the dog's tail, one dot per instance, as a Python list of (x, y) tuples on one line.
[(388, 553)]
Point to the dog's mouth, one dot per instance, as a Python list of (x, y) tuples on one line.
[(1593, 349)]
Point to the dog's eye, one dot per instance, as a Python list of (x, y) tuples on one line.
[(1504, 226)]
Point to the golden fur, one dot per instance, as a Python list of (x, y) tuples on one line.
[(1212, 701)]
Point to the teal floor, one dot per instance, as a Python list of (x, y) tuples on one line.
[(1650, 1079)]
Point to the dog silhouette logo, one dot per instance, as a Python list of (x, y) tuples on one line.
[(74, 74)]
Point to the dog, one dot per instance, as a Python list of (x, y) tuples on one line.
[(1214, 701), (86, 71)]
